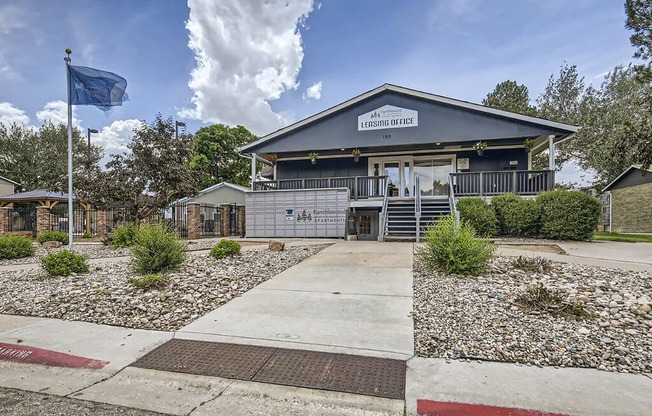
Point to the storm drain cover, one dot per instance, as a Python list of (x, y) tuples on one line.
[(380, 377), (205, 358)]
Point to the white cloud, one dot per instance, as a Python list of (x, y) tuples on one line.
[(9, 114), (57, 112), (248, 52), (571, 173), (313, 92), (114, 138)]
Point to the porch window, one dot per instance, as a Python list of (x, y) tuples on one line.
[(433, 176)]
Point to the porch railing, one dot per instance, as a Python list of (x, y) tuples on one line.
[(520, 182), (360, 186)]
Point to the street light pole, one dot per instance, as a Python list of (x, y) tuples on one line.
[(88, 133), (176, 128)]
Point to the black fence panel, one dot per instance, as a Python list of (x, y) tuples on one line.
[(210, 220), (22, 218), (84, 220)]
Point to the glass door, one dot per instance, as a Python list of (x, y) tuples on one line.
[(393, 172), (433, 175)]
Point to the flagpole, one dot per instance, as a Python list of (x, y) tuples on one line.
[(70, 201)]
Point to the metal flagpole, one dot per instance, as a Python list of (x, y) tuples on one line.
[(70, 201)]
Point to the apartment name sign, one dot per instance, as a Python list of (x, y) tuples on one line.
[(388, 117)]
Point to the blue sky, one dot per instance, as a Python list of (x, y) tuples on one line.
[(268, 63)]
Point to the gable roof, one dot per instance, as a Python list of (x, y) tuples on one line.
[(9, 180), (625, 173), (38, 195), (213, 188), (569, 129)]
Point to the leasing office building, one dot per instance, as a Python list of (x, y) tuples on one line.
[(386, 162)]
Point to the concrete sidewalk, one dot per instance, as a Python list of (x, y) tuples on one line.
[(353, 297)]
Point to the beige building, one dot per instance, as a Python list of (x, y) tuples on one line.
[(218, 194), (630, 207), (7, 186)]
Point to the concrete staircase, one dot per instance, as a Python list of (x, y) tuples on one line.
[(401, 222)]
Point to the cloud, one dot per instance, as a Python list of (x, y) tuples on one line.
[(9, 114), (57, 112), (248, 52), (12, 19), (114, 138), (313, 92)]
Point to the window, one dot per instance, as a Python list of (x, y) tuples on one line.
[(365, 224)]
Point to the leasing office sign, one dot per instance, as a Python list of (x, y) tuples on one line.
[(388, 117)]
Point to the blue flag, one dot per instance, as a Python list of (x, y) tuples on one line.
[(89, 86)]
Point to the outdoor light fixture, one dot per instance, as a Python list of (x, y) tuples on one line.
[(88, 133), (176, 128)]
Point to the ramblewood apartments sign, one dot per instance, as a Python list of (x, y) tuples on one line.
[(388, 117)]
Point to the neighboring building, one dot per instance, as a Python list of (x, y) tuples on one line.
[(7, 186), (218, 194), (631, 201), (416, 153)]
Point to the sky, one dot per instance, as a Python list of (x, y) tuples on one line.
[(264, 64)]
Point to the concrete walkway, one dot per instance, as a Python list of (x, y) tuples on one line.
[(353, 297)]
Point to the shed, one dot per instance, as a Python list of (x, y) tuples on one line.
[(218, 194), (7, 186), (631, 201)]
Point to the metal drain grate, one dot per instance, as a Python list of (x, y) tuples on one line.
[(207, 358), (381, 377)]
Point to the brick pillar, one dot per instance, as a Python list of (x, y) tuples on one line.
[(194, 220), (100, 226), (226, 224), (240, 220), (43, 219), (4, 220)]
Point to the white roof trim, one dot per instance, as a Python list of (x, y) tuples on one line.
[(9, 180), (625, 172), (211, 189), (414, 93)]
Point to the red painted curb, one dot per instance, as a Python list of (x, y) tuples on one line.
[(33, 355), (433, 408)]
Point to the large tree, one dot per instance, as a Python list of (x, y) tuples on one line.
[(38, 158), (216, 157), (153, 174), (510, 96)]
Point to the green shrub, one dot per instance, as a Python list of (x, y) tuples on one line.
[(568, 215), (479, 214), (86, 235), (454, 248), (64, 263), (123, 236), (15, 247), (499, 204), (225, 248), (521, 217), (54, 235), (157, 249), (150, 281)]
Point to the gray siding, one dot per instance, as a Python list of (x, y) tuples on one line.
[(224, 195), (632, 178), (6, 188), (438, 122), (325, 168)]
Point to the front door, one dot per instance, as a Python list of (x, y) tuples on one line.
[(433, 175), (397, 178)]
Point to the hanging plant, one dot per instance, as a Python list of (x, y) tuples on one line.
[(356, 155), (313, 157), (271, 158), (479, 147), (528, 144)]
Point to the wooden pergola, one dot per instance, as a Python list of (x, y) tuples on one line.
[(47, 199)]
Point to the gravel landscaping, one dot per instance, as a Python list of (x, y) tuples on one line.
[(479, 317), (104, 296)]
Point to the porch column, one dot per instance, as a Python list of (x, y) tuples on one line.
[(551, 150), (4, 220), (42, 219), (253, 170), (194, 220)]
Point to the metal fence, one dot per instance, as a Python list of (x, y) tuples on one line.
[(21, 218), (84, 221), (210, 218)]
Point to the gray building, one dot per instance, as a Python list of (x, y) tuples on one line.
[(405, 156), (630, 201), (218, 194), (7, 186)]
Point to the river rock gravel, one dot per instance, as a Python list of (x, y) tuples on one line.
[(103, 295), (478, 318)]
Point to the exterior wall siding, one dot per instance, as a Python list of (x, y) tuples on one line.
[(6, 188), (631, 209), (220, 196)]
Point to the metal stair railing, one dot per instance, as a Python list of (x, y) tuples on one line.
[(383, 214), (417, 207), (451, 200)]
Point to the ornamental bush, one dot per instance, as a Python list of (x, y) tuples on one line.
[(568, 215), (521, 217), (157, 249), (64, 263), (123, 236), (15, 247), (499, 204), (53, 235), (454, 248), (225, 248), (150, 281), (479, 214)]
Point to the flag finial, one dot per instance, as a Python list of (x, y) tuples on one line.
[(68, 52)]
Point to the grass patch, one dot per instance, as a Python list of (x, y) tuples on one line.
[(626, 238), (150, 281), (539, 298)]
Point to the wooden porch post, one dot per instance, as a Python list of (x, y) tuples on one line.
[(551, 150), (253, 170)]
